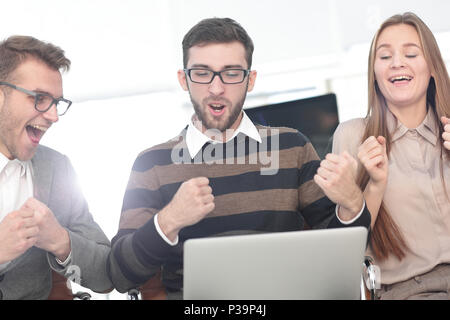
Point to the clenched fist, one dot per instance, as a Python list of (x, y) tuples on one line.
[(446, 134), (190, 204), (51, 237), (18, 233), (336, 177), (372, 154)]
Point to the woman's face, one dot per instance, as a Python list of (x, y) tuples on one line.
[(400, 68)]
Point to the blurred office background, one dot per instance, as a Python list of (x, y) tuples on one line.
[(125, 56)]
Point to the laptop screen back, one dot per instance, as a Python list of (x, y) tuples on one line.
[(313, 264)]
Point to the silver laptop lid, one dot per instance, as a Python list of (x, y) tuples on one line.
[(312, 264)]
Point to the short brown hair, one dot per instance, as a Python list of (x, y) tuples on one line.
[(217, 30), (16, 49)]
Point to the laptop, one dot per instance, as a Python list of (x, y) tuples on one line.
[(310, 264)]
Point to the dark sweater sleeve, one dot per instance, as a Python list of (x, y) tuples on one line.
[(136, 256)]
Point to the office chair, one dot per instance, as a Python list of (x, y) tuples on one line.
[(153, 289), (371, 278), (60, 291)]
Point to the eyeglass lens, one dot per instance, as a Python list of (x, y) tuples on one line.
[(227, 76)]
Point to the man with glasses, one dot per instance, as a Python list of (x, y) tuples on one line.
[(45, 224), (218, 177)]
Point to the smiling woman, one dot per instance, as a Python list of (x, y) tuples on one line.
[(405, 165)]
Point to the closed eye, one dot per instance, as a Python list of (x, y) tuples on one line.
[(202, 73), (39, 98), (232, 74)]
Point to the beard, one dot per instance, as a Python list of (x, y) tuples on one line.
[(10, 134), (7, 125), (203, 114)]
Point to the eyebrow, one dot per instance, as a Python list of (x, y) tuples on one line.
[(230, 66), (45, 92), (409, 44)]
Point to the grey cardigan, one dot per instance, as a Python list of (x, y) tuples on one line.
[(29, 275)]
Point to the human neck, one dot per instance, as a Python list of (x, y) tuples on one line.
[(410, 116), (5, 152)]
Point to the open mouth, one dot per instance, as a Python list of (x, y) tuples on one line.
[(401, 79), (216, 109), (35, 132)]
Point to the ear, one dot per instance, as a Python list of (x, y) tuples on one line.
[(251, 80), (182, 80)]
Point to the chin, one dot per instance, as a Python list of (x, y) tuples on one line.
[(402, 102), (215, 127)]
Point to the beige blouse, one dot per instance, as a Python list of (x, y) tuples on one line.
[(415, 196)]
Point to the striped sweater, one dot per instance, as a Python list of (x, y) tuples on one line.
[(257, 187)]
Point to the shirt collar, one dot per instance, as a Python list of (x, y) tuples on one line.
[(3, 161), (8, 165), (426, 129), (195, 139), (395, 127)]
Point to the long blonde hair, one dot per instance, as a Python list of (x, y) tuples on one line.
[(386, 237)]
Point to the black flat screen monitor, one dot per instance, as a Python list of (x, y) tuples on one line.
[(315, 117)]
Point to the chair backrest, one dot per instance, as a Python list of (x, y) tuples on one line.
[(60, 291), (153, 289)]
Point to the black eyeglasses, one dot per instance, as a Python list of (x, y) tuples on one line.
[(43, 101), (205, 76)]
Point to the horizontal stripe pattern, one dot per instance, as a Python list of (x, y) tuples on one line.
[(176, 149), (173, 173), (272, 200), (268, 221), (246, 182)]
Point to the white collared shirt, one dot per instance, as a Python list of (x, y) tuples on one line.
[(16, 186), (195, 139)]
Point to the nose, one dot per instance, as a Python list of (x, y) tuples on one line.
[(216, 87), (51, 114), (397, 61)]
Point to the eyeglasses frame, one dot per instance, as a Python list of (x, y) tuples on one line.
[(36, 95), (217, 73)]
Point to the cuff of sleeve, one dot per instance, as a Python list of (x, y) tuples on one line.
[(352, 220), (66, 262), (158, 228), (58, 265), (149, 246)]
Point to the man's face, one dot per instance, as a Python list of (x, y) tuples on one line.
[(218, 105), (21, 125)]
